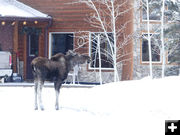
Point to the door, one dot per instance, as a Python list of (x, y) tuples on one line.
[(32, 52)]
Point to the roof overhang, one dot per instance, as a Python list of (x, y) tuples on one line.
[(15, 10), (13, 18)]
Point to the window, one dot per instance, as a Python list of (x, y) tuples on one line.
[(155, 48), (105, 57), (33, 44), (61, 43), (154, 9)]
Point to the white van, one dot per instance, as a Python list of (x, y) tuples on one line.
[(5, 64)]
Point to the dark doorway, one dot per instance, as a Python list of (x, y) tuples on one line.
[(32, 52), (61, 43)]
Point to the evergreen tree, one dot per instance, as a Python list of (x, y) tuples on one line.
[(172, 25), (172, 31)]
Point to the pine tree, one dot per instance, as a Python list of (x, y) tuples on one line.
[(171, 25), (172, 31)]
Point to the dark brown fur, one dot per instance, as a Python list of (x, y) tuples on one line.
[(55, 69)]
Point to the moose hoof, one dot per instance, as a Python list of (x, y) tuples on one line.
[(57, 107)]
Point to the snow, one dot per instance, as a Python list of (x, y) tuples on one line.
[(130, 107), (173, 1), (18, 9)]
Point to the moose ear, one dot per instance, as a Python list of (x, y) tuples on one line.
[(56, 57), (69, 51)]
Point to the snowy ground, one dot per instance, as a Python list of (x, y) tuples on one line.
[(124, 108)]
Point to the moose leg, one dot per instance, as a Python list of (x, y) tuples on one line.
[(57, 100), (39, 89), (57, 90), (35, 92)]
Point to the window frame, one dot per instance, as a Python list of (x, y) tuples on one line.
[(90, 54), (50, 40), (145, 20), (141, 50)]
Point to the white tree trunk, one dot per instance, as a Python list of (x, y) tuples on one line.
[(162, 40), (149, 41), (99, 55), (116, 76)]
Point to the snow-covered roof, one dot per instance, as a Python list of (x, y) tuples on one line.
[(14, 8)]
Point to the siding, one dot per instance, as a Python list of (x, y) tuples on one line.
[(66, 16), (6, 37)]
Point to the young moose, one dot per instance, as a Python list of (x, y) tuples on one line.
[(56, 70)]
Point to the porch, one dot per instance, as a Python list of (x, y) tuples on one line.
[(24, 33)]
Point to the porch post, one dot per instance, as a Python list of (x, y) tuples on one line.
[(41, 44), (15, 47), (25, 55)]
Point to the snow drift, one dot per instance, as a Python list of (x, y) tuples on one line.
[(132, 107)]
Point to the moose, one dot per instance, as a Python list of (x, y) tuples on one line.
[(56, 70)]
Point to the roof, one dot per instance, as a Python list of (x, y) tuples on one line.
[(14, 8)]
